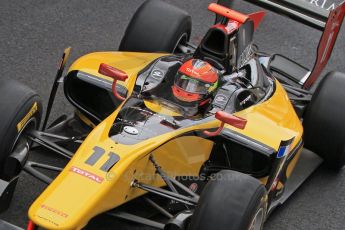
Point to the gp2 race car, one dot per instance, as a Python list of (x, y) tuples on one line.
[(135, 152)]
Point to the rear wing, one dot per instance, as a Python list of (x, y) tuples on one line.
[(329, 22), (298, 10)]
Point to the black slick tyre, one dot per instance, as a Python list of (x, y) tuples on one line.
[(156, 27), (324, 126), (232, 201), (20, 109)]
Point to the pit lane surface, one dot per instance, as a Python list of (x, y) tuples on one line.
[(33, 34)]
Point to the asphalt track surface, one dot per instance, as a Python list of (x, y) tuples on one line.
[(33, 34)]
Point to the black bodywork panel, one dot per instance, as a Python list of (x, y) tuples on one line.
[(6, 193), (91, 95), (288, 71)]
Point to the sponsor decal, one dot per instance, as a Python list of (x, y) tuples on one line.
[(221, 98), (48, 220), (193, 187), (326, 4), (54, 210), (282, 154), (87, 174), (31, 112), (192, 71), (245, 56), (275, 183), (158, 74), (232, 25), (245, 100), (283, 151)]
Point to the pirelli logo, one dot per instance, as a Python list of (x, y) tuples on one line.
[(31, 112), (54, 210)]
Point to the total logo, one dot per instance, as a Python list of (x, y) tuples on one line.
[(192, 71), (87, 174)]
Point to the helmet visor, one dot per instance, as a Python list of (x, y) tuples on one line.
[(191, 85)]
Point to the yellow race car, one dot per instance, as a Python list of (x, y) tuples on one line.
[(175, 136)]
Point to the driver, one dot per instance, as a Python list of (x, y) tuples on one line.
[(195, 83)]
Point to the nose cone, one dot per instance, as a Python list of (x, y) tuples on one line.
[(69, 202)]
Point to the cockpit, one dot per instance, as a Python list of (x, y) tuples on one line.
[(235, 91), (153, 110)]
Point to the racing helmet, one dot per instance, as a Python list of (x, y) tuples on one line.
[(195, 82)]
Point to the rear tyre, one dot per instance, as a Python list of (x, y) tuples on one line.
[(233, 201), (324, 126), (157, 27), (20, 110)]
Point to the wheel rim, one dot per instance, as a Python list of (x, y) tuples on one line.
[(182, 40), (258, 220)]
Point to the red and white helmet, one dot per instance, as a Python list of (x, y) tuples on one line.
[(195, 81)]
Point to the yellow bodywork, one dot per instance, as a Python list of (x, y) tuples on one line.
[(72, 199), (129, 62)]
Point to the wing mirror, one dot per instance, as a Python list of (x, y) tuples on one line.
[(227, 118), (116, 74)]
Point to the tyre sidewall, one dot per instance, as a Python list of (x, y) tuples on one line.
[(259, 201), (156, 27), (15, 114), (324, 127), (229, 204)]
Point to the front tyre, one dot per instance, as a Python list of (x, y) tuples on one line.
[(20, 110), (231, 201)]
